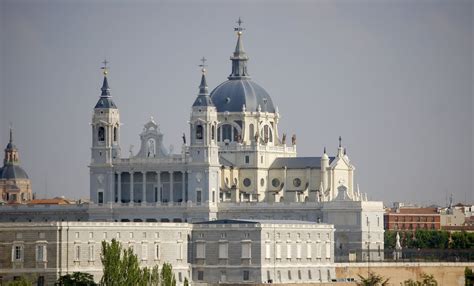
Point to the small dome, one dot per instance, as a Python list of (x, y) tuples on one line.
[(9, 172), (231, 95)]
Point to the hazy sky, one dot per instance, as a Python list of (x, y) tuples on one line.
[(393, 78)]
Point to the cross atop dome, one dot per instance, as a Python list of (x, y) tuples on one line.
[(239, 29)]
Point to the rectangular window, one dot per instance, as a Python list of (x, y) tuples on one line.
[(288, 251), (318, 250), (223, 250), (246, 250), (144, 252), (247, 159), (101, 197), (41, 253), (213, 196), (17, 253), (246, 275), (309, 275), (201, 250), (157, 251), (40, 281), (328, 250), (298, 251), (278, 251), (308, 250), (91, 252), (299, 274), (289, 274), (77, 253), (269, 277), (198, 196), (200, 275), (180, 251), (268, 248)]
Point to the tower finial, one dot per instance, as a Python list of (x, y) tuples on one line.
[(104, 67), (11, 132), (324, 149), (340, 141), (239, 58), (239, 29), (203, 65)]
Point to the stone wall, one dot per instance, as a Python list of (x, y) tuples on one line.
[(444, 272)]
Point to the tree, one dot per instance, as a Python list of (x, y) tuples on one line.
[(427, 280), (186, 282), (22, 281), (121, 267), (167, 276), (77, 279), (373, 280), (468, 277)]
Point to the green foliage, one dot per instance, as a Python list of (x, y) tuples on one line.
[(121, 267), (427, 280), (186, 282), (430, 239), (20, 282), (77, 279), (468, 277), (372, 280), (167, 276)]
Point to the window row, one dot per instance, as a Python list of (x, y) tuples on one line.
[(18, 253)]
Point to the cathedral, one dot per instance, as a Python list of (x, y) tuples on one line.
[(234, 164), (235, 153)]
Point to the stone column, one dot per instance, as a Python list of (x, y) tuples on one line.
[(131, 186), (171, 186), (111, 193), (143, 187), (119, 187), (158, 182), (183, 187)]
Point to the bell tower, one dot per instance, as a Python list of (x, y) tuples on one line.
[(105, 143), (203, 149)]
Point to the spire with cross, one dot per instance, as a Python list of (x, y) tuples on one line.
[(104, 67), (239, 29), (239, 58), (11, 132), (203, 64)]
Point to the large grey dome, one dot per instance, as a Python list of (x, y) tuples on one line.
[(9, 172), (231, 95)]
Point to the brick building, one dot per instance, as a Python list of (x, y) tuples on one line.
[(412, 219)]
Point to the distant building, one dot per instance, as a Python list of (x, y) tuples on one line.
[(15, 186), (408, 219), (54, 201), (458, 218)]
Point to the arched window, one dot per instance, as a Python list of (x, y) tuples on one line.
[(101, 134), (251, 132), (115, 134), (151, 148), (199, 132), (226, 132), (236, 135), (213, 132)]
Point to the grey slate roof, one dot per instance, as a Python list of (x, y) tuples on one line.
[(12, 172), (105, 100), (298, 162), (232, 94), (203, 98), (255, 221)]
